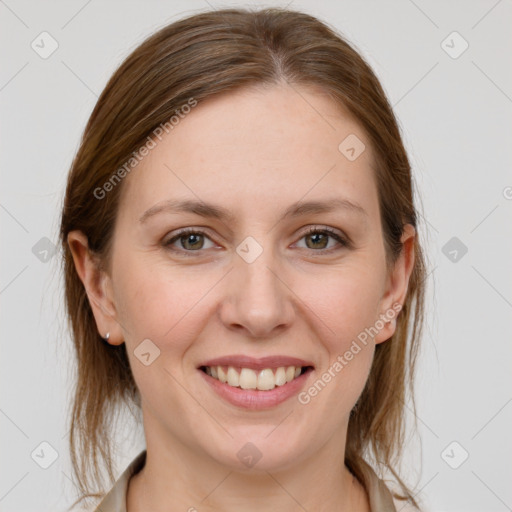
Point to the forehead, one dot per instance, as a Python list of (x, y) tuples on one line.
[(256, 147)]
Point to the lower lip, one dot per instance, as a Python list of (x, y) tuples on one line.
[(254, 398)]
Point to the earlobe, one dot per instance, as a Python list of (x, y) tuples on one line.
[(387, 330), (95, 282)]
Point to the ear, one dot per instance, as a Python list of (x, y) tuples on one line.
[(397, 284), (98, 287)]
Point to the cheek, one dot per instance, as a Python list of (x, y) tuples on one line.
[(148, 307), (346, 378), (347, 303), (156, 301), (161, 304), (346, 300), (347, 307)]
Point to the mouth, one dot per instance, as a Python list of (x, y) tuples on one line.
[(256, 383), (265, 379)]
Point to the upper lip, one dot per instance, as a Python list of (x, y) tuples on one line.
[(256, 363)]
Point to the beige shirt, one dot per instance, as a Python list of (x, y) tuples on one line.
[(380, 497)]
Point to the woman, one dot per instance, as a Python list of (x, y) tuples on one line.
[(242, 264)]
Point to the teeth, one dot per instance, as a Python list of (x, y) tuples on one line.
[(263, 380), (280, 376), (266, 380), (248, 379), (221, 374), (233, 377)]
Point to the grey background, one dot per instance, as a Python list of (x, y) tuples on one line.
[(455, 114)]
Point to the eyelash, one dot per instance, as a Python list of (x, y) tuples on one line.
[(345, 243)]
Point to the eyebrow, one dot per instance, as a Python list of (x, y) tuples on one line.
[(218, 212)]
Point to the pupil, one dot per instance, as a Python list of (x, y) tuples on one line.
[(191, 237), (315, 237)]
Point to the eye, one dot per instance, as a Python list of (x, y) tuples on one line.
[(318, 239), (190, 240)]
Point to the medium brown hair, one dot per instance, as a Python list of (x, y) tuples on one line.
[(198, 57)]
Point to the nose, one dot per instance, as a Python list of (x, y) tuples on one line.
[(257, 299)]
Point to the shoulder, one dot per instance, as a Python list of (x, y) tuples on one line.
[(115, 499), (381, 495), (83, 507), (404, 506)]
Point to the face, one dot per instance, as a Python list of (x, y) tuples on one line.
[(261, 281)]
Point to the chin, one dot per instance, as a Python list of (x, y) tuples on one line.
[(257, 450)]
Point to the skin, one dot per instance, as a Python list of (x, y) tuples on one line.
[(254, 152)]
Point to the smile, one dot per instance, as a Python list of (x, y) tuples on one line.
[(256, 384), (247, 378)]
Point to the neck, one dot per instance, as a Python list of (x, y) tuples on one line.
[(178, 477)]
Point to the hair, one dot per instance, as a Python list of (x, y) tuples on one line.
[(203, 55)]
